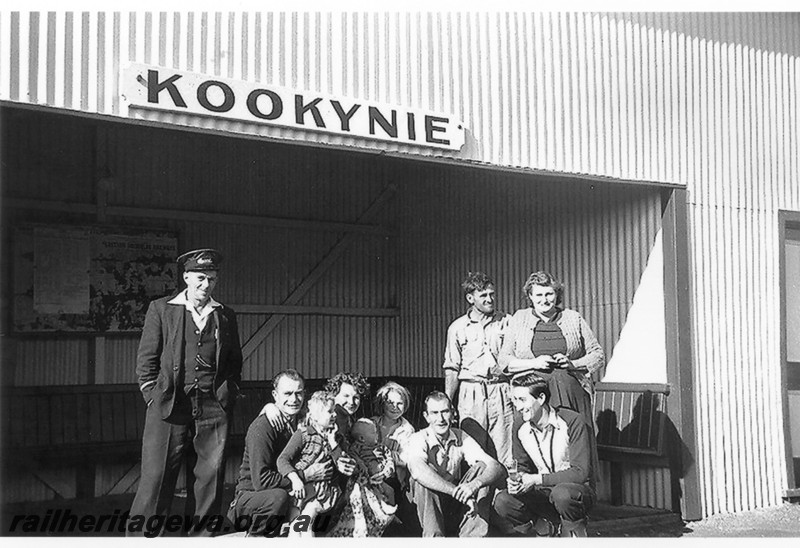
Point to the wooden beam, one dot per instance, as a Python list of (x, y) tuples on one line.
[(314, 310), (198, 216), (52, 205), (370, 215)]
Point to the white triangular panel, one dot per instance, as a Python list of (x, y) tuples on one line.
[(640, 354)]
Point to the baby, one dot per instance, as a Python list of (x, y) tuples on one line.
[(311, 443), (372, 458)]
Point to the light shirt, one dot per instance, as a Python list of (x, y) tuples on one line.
[(547, 448), (445, 457), (473, 345), (200, 318)]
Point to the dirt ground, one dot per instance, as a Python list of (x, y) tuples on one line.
[(776, 522), (779, 521)]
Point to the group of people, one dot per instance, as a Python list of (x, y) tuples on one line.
[(508, 448)]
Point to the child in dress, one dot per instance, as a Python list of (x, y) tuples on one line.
[(317, 441), (372, 458)]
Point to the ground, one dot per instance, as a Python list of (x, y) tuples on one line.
[(775, 522), (606, 520)]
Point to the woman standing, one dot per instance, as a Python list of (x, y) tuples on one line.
[(556, 343)]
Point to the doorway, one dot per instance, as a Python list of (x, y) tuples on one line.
[(790, 312)]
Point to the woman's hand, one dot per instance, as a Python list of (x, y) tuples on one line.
[(274, 417), (378, 477), (562, 361), (545, 361), (346, 465)]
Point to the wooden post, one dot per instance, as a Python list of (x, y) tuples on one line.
[(680, 372)]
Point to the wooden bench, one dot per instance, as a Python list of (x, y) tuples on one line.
[(631, 421), (86, 425)]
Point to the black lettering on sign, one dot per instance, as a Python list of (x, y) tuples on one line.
[(344, 116), (300, 110), (375, 115), (277, 104), (202, 96), (154, 87), (412, 128), (430, 128)]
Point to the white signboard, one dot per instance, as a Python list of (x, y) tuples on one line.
[(159, 88)]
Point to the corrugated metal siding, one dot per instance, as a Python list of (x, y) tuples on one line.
[(600, 88), (46, 361), (646, 486), (741, 83), (596, 238)]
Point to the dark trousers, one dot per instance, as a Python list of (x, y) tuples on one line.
[(195, 433), (264, 511), (568, 502)]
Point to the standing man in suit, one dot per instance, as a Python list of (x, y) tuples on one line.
[(189, 367)]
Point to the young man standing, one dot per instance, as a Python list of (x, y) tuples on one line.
[(555, 480), (444, 495), (472, 377)]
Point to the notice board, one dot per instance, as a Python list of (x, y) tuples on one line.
[(88, 278)]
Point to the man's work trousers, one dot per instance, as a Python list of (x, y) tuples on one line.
[(490, 406)]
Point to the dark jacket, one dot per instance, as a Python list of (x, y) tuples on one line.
[(161, 355)]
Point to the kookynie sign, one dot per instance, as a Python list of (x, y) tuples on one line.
[(159, 88)]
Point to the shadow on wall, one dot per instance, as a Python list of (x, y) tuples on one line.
[(649, 438)]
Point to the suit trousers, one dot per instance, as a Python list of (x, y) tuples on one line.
[(195, 433)]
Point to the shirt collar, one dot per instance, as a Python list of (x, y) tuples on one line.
[(552, 421), (483, 319), (433, 440), (181, 300)]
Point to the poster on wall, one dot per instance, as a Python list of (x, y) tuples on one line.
[(60, 271), (90, 279)]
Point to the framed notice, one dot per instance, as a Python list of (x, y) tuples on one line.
[(89, 279)]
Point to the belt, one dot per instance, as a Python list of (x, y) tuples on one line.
[(498, 380)]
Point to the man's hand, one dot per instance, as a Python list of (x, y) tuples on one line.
[(298, 489), (346, 465), (319, 471), (523, 484), (464, 491), (274, 417)]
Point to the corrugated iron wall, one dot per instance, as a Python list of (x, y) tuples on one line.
[(595, 238), (603, 93), (742, 84)]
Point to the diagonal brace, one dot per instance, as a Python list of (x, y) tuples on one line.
[(370, 215)]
